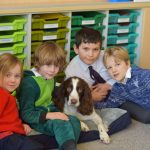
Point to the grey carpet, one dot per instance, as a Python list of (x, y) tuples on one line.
[(135, 137)]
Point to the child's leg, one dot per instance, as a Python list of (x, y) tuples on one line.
[(62, 130), (19, 142), (76, 127), (119, 124), (137, 112)]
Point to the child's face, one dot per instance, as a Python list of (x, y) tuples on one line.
[(48, 71), (117, 69), (12, 79), (88, 52)]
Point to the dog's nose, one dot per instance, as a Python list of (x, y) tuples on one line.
[(73, 101)]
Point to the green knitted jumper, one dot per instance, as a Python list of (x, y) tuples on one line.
[(35, 98)]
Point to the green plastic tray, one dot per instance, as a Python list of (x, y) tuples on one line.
[(47, 21), (87, 18), (43, 35), (11, 37), (16, 48), (12, 23)]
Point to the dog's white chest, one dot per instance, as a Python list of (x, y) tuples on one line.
[(70, 110)]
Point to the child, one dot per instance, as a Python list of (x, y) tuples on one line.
[(133, 84), (36, 95), (88, 43), (12, 131)]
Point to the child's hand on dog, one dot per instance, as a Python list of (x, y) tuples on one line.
[(56, 115)]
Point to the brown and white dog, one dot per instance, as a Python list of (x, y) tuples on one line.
[(74, 98)]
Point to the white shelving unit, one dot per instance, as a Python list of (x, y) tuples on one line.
[(27, 39)]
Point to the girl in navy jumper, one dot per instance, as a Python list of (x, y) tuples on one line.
[(12, 130), (132, 88)]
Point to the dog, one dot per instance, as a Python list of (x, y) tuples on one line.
[(74, 98)]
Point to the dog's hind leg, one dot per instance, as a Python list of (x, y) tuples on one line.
[(84, 126)]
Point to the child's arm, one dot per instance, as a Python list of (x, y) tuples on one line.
[(114, 100), (56, 115)]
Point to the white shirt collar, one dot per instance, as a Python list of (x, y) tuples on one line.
[(34, 70), (127, 76)]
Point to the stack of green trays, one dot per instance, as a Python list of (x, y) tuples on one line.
[(49, 27), (12, 35)]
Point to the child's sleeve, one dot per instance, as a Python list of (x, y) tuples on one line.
[(114, 100)]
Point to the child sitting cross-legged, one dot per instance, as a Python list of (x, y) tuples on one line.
[(36, 98)]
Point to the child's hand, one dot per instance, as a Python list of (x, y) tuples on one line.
[(56, 115), (100, 91), (27, 129), (98, 95)]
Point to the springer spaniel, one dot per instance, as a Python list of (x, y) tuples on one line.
[(74, 98)]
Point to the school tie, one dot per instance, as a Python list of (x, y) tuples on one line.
[(97, 79), (95, 76)]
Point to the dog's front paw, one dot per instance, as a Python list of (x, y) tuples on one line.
[(84, 127), (105, 137)]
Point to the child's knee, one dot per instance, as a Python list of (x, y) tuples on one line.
[(74, 119)]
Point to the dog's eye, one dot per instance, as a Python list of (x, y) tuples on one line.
[(79, 89), (69, 89)]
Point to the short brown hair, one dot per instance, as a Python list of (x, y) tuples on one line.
[(118, 52), (88, 35), (8, 61), (50, 53)]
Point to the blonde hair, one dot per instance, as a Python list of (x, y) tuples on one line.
[(118, 52), (50, 53), (7, 62)]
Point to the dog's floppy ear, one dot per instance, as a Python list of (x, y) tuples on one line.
[(59, 100), (86, 104)]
